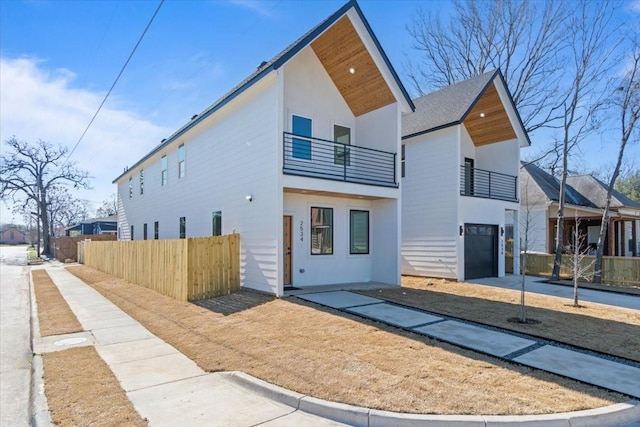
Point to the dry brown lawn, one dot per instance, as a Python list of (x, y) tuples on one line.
[(79, 386), (54, 315), (81, 390), (592, 326), (335, 356)]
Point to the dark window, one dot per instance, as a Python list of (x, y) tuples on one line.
[(216, 223), (342, 135), (156, 230), (468, 177), (301, 148), (141, 181), (183, 227), (181, 164), (321, 231), (359, 232), (144, 231), (402, 163), (132, 232), (130, 187)]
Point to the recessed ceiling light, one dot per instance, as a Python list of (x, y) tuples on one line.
[(481, 114), (352, 70)]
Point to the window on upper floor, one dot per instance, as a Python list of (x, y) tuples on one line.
[(131, 230), (130, 187), (301, 147), (144, 231), (141, 181), (402, 162), (181, 161), (156, 230), (163, 165), (341, 155)]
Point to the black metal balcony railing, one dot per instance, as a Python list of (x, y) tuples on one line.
[(319, 158), (490, 185)]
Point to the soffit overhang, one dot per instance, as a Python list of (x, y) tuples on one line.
[(346, 59)]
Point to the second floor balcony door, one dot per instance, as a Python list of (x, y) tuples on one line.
[(341, 154), (301, 148)]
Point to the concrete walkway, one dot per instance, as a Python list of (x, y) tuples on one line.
[(586, 367), (169, 389), (537, 285)]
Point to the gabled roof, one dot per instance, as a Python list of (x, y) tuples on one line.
[(276, 62), (452, 105), (550, 187), (596, 191)]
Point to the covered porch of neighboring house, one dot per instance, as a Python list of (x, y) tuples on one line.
[(588, 232), (624, 235)]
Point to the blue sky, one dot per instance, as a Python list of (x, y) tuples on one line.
[(59, 58)]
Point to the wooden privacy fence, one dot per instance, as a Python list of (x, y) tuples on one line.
[(184, 269), (615, 270), (66, 246)]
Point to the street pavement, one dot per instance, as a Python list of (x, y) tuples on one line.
[(15, 344)]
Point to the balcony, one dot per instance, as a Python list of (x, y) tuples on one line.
[(319, 158), (486, 184)]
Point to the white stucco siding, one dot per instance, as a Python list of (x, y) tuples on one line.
[(429, 204), (341, 266), (309, 92), (230, 155)]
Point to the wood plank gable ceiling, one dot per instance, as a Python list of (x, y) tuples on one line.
[(347, 61), (487, 122)]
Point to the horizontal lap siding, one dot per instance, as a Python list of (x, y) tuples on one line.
[(429, 205)]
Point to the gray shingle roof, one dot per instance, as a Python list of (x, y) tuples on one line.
[(445, 107), (550, 186), (596, 191)]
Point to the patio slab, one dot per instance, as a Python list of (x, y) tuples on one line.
[(398, 316), (339, 299), (584, 367), (476, 337)]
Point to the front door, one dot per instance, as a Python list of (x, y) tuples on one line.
[(286, 238)]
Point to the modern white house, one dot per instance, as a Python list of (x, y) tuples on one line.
[(301, 159), (460, 164)]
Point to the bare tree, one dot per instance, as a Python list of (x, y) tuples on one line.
[(579, 268), (28, 172), (590, 50), (64, 209), (626, 99), (522, 38), (109, 207)]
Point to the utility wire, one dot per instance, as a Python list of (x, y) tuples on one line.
[(114, 83)]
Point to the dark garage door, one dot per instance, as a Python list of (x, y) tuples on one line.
[(480, 251)]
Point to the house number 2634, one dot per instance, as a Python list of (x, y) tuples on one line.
[(302, 231)]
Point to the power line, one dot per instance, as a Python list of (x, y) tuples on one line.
[(114, 83)]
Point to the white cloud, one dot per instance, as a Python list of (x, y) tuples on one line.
[(37, 103), (254, 5)]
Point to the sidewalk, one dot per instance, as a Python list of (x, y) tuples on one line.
[(167, 388), (164, 386)]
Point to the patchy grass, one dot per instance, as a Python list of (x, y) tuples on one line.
[(81, 390), (593, 326), (79, 386), (32, 256), (54, 315), (335, 356)]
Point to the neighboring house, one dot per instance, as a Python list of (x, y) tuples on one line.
[(12, 236), (301, 158), (106, 225), (624, 218), (460, 161), (539, 212)]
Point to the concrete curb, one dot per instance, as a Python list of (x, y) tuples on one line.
[(39, 415), (613, 415)]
